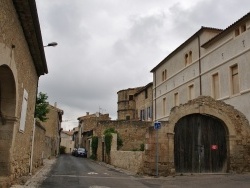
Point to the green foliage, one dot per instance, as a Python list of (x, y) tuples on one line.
[(62, 149), (109, 130), (108, 140), (142, 147), (119, 140), (41, 109), (94, 147)]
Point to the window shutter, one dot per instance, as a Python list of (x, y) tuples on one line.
[(24, 111)]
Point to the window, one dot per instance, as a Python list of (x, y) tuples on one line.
[(149, 114), (243, 28), (164, 107), (131, 97), (191, 92), (146, 94), (142, 115), (127, 117), (237, 32), (190, 57), (235, 79), (186, 59), (176, 99), (164, 75), (215, 86), (240, 30)]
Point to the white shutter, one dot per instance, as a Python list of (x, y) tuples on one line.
[(24, 111)]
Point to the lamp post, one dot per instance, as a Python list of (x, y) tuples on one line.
[(51, 44)]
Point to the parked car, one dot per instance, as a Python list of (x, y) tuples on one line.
[(81, 152), (74, 151)]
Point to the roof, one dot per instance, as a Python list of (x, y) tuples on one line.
[(225, 31), (70, 133), (184, 44), (135, 88), (144, 88), (28, 17)]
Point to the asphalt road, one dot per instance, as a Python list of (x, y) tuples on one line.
[(70, 171)]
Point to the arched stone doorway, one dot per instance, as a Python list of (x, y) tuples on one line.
[(200, 144), (7, 116)]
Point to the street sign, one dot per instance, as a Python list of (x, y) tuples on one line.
[(214, 147), (157, 125)]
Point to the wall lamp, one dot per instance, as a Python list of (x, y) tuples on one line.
[(51, 44)]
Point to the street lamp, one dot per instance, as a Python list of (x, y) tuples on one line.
[(51, 44)]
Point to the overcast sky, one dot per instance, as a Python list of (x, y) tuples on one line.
[(108, 45)]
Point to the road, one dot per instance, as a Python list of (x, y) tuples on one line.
[(70, 171)]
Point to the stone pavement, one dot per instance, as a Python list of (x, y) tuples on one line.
[(35, 180)]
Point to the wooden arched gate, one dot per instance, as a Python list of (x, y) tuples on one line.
[(200, 144)]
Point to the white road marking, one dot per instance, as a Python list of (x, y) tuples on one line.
[(92, 173)]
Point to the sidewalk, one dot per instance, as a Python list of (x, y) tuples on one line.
[(39, 176)]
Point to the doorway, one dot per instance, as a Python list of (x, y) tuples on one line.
[(7, 111), (200, 144)]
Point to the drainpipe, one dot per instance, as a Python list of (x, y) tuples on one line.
[(154, 96), (199, 43)]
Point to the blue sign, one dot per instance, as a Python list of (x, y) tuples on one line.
[(157, 125)]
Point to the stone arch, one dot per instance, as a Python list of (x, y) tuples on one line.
[(238, 129), (7, 116)]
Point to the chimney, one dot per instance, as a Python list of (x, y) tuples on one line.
[(55, 104)]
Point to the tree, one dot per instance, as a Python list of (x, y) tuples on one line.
[(41, 107)]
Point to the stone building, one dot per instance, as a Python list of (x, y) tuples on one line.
[(126, 104), (144, 103), (22, 62), (135, 103), (53, 131), (85, 129), (67, 141), (200, 92)]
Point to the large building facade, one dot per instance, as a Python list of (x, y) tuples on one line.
[(200, 93), (22, 62)]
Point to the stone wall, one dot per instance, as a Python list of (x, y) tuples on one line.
[(129, 160), (39, 147), (52, 126), (17, 62), (132, 134)]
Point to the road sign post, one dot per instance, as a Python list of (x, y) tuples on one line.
[(157, 126)]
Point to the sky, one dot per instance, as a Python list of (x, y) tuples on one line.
[(105, 46)]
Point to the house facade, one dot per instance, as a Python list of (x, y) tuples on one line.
[(199, 94), (144, 103), (67, 141), (135, 103), (53, 131), (22, 62), (85, 129)]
